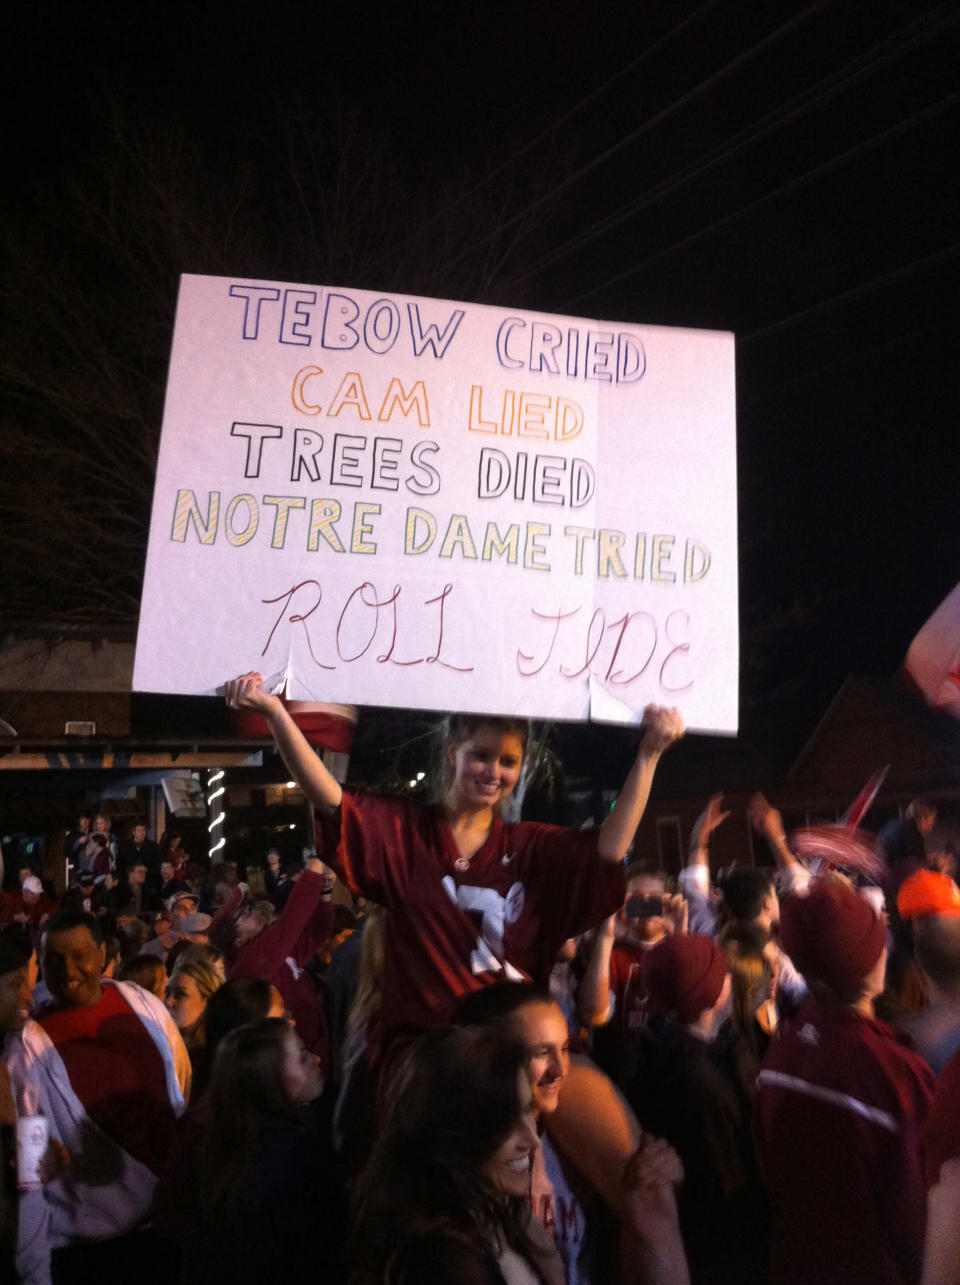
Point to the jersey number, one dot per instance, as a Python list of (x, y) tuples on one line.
[(487, 956)]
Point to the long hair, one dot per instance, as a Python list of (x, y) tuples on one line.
[(455, 1102), (453, 730), (246, 1093), (750, 977), (198, 962), (366, 1000)]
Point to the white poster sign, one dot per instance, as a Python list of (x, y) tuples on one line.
[(404, 501)]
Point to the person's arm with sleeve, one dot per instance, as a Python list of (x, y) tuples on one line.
[(302, 927), (593, 994), (766, 820), (662, 728), (319, 786), (695, 876)]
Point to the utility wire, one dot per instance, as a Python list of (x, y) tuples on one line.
[(567, 116), (893, 48), (710, 82), (818, 171), (854, 292)]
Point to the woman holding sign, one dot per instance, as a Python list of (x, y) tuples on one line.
[(473, 900)]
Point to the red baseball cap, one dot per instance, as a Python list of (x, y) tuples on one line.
[(928, 892)]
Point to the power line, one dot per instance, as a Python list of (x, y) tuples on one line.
[(569, 115), (818, 171), (854, 292), (894, 47), (728, 69)]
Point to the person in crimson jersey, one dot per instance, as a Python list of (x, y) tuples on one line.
[(472, 900), (106, 1066), (840, 1108)]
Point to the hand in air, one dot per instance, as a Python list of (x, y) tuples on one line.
[(708, 820), (765, 819), (663, 727), (246, 692)]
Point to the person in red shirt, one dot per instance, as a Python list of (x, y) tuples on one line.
[(30, 905), (472, 900), (280, 951), (105, 1064), (840, 1107)]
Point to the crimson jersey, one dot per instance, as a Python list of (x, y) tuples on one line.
[(451, 931)]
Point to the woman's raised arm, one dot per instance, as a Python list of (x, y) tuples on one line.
[(304, 766), (663, 727)]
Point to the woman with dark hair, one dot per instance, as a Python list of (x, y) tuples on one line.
[(236, 1003), (256, 1151), (171, 850), (445, 1193)]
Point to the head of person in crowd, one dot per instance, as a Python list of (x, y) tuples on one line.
[(112, 954), (73, 957), (261, 1078), (146, 971), (748, 895), (930, 903), (256, 883), (274, 861), (754, 966), (944, 860), (453, 1156), (137, 874), (294, 869), (139, 836), (101, 823), (132, 933), (238, 1002), (530, 1015), (688, 981), (194, 979), (837, 941), (170, 847), (18, 976), (182, 905), (31, 890), (642, 917), (167, 872), (479, 762), (84, 822), (923, 814)]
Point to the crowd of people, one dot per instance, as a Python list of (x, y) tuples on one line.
[(506, 1053)]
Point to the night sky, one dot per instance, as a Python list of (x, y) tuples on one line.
[(784, 172)]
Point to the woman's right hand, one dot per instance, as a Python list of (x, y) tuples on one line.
[(246, 692)]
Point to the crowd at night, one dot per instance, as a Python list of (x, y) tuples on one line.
[(315, 321), (506, 1051)]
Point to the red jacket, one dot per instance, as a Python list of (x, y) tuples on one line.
[(281, 952), (839, 1110)]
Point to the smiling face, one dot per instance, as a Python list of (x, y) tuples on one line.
[(72, 964), (486, 768), (543, 1029), (508, 1169)]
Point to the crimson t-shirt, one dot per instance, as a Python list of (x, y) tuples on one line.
[(117, 1072), (526, 890)]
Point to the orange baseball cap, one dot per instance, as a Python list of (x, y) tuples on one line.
[(927, 892)]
